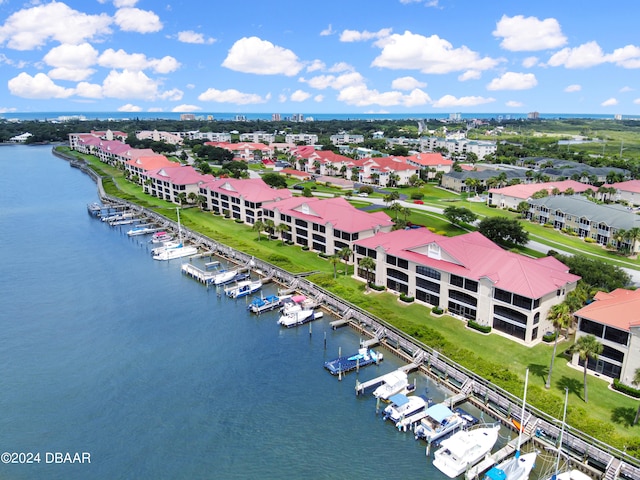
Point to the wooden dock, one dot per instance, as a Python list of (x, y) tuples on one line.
[(494, 459), (374, 382), (197, 273)]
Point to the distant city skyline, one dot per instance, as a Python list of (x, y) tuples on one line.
[(413, 57)]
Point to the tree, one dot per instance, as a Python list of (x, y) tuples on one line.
[(595, 272), (368, 264), (523, 208), (192, 197), (182, 197), (636, 382), (561, 317), (587, 347), (633, 235), (503, 231), (269, 226), (345, 253), (335, 259), (258, 226), (282, 228), (274, 180), (457, 215)]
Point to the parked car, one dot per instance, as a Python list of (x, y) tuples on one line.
[(363, 194), (418, 202)]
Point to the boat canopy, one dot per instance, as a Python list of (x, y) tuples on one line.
[(495, 474), (399, 399), (439, 412), (298, 298)]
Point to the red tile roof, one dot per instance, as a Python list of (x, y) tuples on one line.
[(474, 256), (528, 189), (629, 186), (430, 160), (152, 162), (335, 211), (251, 189), (180, 175), (618, 308)]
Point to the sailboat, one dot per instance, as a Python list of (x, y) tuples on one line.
[(176, 252), (519, 466)]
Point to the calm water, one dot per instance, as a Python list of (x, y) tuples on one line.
[(109, 352)]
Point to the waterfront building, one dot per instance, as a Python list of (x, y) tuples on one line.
[(470, 277), (612, 318), (242, 198), (600, 222), (138, 167), (169, 183), (325, 225), (510, 197)]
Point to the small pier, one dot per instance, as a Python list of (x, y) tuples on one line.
[(374, 382), (341, 365), (197, 273), (339, 323)]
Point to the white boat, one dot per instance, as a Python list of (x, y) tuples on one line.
[(464, 449), (165, 246), (293, 319), (438, 422), (264, 304), (572, 475), (224, 276), (140, 230), (519, 466), (403, 406), (243, 288), (392, 383), (177, 252), (161, 238), (296, 303)]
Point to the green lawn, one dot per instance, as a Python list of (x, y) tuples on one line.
[(606, 409)]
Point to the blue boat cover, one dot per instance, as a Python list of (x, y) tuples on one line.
[(399, 399), (495, 474), (439, 412)]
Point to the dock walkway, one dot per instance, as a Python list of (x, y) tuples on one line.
[(494, 459)]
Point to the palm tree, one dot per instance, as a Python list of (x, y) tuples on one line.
[(633, 235), (368, 264), (192, 197), (561, 317), (636, 382), (587, 347), (269, 226), (335, 259), (258, 226), (201, 200), (396, 207), (282, 228), (345, 253), (182, 197)]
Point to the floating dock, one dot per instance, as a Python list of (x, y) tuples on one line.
[(490, 460), (374, 382), (342, 365)]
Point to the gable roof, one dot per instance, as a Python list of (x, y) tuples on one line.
[(618, 308), (152, 162), (474, 256), (179, 175), (251, 189), (526, 190), (429, 159), (335, 211)]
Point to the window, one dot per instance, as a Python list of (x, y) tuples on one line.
[(391, 260), (393, 273), (593, 328), (427, 285), (617, 336), (502, 295), (427, 272)]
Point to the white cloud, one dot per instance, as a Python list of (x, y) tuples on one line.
[(573, 88), (626, 89), (30, 28), (318, 98), (356, 36), (129, 108), (513, 81), (610, 102), (136, 20), (327, 31), (428, 54), (316, 65), (174, 95), (584, 56), (37, 87), (514, 103), (189, 36), (124, 3), (70, 74), (407, 83), (8, 109), (627, 56), (341, 67), (71, 56), (282, 98), (300, 96), (530, 62), (470, 75), (451, 101), (361, 96), (155, 109), (185, 108), (637, 101), (230, 96), (129, 84), (120, 59), (520, 34), (336, 82), (254, 55), (89, 90)]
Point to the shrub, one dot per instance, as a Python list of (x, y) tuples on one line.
[(417, 196), (437, 310), (493, 205), (406, 298), (305, 248), (377, 288), (549, 337), (238, 220), (621, 387), (477, 326), (589, 240)]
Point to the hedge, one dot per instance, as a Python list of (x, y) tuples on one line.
[(477, 326), (621, 387)]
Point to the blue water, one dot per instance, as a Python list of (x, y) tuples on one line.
[(109, 352), (227, 116)]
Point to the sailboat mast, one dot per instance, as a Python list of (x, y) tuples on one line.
[(564, 418), (524, 402)]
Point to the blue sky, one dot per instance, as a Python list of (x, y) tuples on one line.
[(347, 56)]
